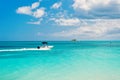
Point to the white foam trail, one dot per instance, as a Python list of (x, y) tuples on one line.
[(23, 49)]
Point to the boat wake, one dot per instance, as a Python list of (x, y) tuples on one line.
[(25, 49)]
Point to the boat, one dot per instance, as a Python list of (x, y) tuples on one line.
[(44, 46), (74, 40)]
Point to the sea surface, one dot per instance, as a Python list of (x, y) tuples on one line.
[(81, 60)]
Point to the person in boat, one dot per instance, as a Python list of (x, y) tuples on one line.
[(38, 47)]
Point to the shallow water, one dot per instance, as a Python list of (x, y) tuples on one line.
[(84, 60)]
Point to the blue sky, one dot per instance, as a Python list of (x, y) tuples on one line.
[(32, 20)]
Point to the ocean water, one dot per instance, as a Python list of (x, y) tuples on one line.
[(83, 60)]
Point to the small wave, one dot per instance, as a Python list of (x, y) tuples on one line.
[(23, 49)]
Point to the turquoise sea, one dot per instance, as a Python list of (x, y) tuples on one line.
[(82, 60)]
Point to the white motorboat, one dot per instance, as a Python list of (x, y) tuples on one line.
[(44, 46), (27, 49)]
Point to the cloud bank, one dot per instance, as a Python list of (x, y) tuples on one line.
[(99, 29), (97, 8)]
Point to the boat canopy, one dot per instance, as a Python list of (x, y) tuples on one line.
[(44, 42)]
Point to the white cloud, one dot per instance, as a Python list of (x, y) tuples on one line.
[(89, 4), (35, 5), (80, 4), (118, 1), (56, 5), (28, 10), (100, 29), (33, 11), (24, 10), (67, 22), (39, 12)]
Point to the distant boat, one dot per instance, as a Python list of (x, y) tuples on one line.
[(73, 40), (44, 46)]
